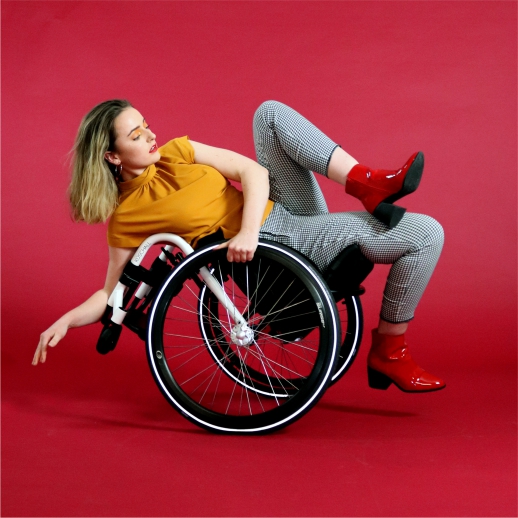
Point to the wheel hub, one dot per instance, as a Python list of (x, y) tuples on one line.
[(242, 335)]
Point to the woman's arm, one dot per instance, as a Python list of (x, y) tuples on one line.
[(256, 188), (89, 311)]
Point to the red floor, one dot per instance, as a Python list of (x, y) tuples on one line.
[(86, 435), (92, 436)]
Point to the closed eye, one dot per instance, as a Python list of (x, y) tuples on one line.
[(140, 132), (137, 136)]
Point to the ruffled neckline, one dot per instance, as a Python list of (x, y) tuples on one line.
[(140, 180)]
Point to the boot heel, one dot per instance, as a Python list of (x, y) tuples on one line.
[(389, 214), (377, 380)]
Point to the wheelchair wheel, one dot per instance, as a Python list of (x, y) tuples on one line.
[(269, 380), (351, 321)]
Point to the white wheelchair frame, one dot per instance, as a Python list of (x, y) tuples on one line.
[(117, 296)]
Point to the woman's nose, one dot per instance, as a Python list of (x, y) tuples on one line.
[(151, 135)]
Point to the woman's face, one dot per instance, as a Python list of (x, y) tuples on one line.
[(135, 144)]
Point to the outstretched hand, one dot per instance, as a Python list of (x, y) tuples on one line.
[(49, 338), (242, 247)]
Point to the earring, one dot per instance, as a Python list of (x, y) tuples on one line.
[(118, 173)]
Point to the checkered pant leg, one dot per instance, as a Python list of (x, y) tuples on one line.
[(412, 247), (290, 147)]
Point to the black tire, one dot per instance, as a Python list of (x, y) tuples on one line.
[(255, 388), (351, 321)]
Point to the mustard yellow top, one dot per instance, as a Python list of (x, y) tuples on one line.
[(178, 196)]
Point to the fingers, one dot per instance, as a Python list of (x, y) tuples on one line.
[(233, 254), (36, 357), (238, 255), (46, 340), (239, 251), (223, 245), (41, 351)]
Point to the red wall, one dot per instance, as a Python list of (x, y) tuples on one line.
[(381, 78)]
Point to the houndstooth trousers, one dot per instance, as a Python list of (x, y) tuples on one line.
[(290, 147)]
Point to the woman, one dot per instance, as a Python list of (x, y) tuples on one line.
[(120, 173)]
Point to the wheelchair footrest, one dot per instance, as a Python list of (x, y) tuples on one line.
[(108, 338)]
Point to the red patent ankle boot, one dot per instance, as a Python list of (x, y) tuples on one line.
[(377, 189), (389, 361)]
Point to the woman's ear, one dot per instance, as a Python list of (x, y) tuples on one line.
[(112, 157)]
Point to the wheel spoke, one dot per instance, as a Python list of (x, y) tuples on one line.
[(267, 377)]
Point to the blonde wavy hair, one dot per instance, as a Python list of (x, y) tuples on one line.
[(93, 191)]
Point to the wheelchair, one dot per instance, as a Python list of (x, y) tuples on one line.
[(239, 348)]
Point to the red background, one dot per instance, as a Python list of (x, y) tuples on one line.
[(86, 435)]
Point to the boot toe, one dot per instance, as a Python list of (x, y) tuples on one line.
[(426, 381)]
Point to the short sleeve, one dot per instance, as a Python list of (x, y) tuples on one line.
[(177, 151)]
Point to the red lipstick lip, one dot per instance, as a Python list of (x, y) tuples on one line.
[(154, 148)]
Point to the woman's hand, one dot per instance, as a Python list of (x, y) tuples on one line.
[(49, 338), (241, 247), (90, 311)]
